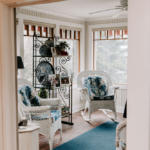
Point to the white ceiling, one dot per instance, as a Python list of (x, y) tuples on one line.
[(82, 8)]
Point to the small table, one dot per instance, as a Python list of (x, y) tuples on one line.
[(29, 137)]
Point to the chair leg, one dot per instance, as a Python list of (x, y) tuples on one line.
[(115, 112), (82, 114), (89, 111), (60, 132), (51, 143)]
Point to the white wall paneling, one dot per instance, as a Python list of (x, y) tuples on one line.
[(121, 100), (138, 121)]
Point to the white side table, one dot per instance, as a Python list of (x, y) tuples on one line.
[(29, 137)]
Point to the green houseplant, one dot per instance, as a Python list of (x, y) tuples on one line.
[(62, 46), (43, 93)]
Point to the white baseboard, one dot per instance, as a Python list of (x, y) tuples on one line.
[(78, 108), (119, 109)]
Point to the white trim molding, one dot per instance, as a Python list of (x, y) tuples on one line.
[(108, 21), (48, 16)]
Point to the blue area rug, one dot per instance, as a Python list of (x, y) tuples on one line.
[(99, 138)]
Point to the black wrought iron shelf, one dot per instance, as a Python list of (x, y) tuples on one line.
[(64, 91), (53, 87), (53, 56)]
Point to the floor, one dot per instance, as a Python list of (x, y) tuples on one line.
[(80, 126)]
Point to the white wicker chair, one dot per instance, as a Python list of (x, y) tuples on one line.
[(47, 126), (121, 135), (94, 105)]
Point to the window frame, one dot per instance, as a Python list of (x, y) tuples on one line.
[(94, 40)]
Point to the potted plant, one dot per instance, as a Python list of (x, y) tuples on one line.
[(62, 46), (43, 93)]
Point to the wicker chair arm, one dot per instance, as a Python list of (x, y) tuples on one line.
[(37, 109), (119, 128), (56, 102), (85, 92)]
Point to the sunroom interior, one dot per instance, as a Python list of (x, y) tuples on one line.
[(71, 109), (97, 41)]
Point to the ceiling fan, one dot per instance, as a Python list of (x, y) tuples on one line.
[(122, 8)]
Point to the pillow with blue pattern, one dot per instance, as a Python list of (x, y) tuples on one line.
[(96, 86), (24, 92), (28, 96), (34, 100)]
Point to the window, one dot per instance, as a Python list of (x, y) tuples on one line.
[(29, 31), (110, 53), (73, 39)]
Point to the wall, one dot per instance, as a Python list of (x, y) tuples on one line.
[(27, 14), (138, 128), (8, 74)]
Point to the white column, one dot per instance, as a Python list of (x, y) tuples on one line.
[(138, 96), (8, 76)]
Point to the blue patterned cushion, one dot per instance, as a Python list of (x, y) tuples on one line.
[(28, 97), (55, 114), (96, 86), (34, 100), (24, 92)]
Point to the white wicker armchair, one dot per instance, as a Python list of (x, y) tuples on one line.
[(94, 105), (41, 114), (121, 135)]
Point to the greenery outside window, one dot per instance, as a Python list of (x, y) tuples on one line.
[(110, 53)]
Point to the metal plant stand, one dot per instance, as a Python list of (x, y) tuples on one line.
[(65, 91)]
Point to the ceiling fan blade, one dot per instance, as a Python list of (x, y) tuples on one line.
[(118, 13), (102, 11)]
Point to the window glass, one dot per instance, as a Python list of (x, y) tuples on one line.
[(38, 30), (28, 58), (68, 34), (125, 33), (44, 30), (63, 33), (111, 34), (111, 57), (118, 34), (97, 35), (31, 30), (103, 34), (72, 34)]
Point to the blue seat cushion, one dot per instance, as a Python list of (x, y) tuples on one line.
[(107, 97), (96, 86), (55, 114), (28, 96)]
